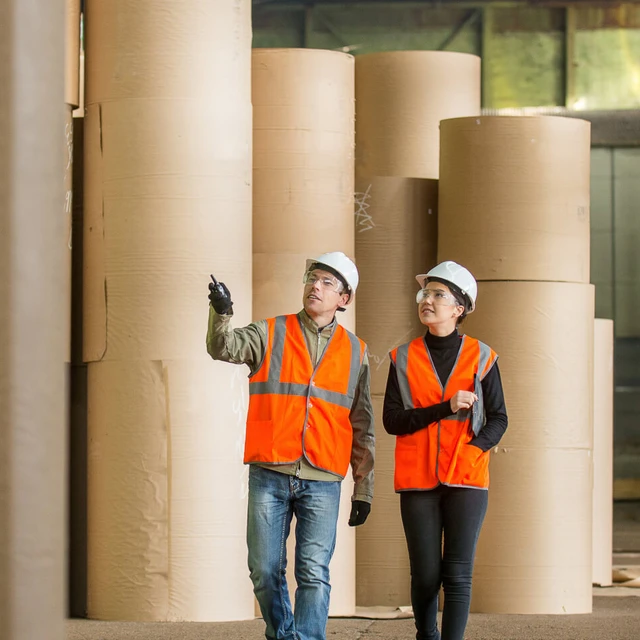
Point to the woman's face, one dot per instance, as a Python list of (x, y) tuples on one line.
[(438, 307)]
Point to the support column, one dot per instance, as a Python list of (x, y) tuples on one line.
[(33, 333)]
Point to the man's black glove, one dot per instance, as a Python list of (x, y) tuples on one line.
[(220, 297), (359, 512)]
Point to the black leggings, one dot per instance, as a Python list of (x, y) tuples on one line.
[(458, 513)]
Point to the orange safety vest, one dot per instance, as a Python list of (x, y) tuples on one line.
[(440, 453), (297, 410)]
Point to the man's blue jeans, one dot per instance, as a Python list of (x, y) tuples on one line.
[(273, 500)]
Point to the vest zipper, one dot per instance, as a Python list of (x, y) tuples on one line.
[(315, 366), (444, 388)]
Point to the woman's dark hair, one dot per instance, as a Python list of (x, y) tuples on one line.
[(461, 299)]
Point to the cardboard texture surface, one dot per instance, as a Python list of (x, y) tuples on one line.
[(545, 358), (303, 186), (382, 560), (534, 552), (33, 322), (167, 202), (303, 140), (603, 382), (514, 197), (153, 225), (396, 236), (163, 63), (79, 112), (68, 154), (166, 492), (401, 96), (72, 53)]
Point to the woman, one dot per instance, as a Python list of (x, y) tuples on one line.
[(445, 404)]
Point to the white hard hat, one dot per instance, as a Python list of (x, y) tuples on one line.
[(456, 275), (342, 265)]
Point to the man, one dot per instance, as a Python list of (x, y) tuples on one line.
[(309, 416)]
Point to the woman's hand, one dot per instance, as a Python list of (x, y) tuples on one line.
[(462, 400)]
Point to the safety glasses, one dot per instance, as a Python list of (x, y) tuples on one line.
[(436, 297), (326, 282)]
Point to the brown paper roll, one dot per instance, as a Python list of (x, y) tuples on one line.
[(514, 197), (68, 218), (167, 202), (72, 53), (534, 552), (382, 568), (603, 453), (79, 112), (303, 189), (166, 492), (396, 234), (302, 168), (543, 335), (401, 96)]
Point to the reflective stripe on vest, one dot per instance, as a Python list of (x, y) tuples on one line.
[(440, 453), (296, 408)]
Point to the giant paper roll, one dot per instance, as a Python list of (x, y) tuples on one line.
[(303, 136), (167, 202), (72, 53), (514, 197), (34, 312), (166, 493), (534, 554), (401, 97), (396, 235), (303, 119), (384, 576), (543, 335), (68, 218), (603, 452)]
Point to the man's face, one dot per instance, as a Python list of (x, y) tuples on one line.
[(323, 293)]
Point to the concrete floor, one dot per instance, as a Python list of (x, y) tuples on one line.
[(612, 619), (616, 614)]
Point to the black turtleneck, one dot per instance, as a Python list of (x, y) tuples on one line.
[(399, 421)]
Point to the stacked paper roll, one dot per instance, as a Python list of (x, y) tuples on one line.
[(72, 53), (167, 201), (514, 197), (303, 136), (534, 553), (396, 232), (400, 99), (603, 452), (514, 209), (68, 155), (383, 560)]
